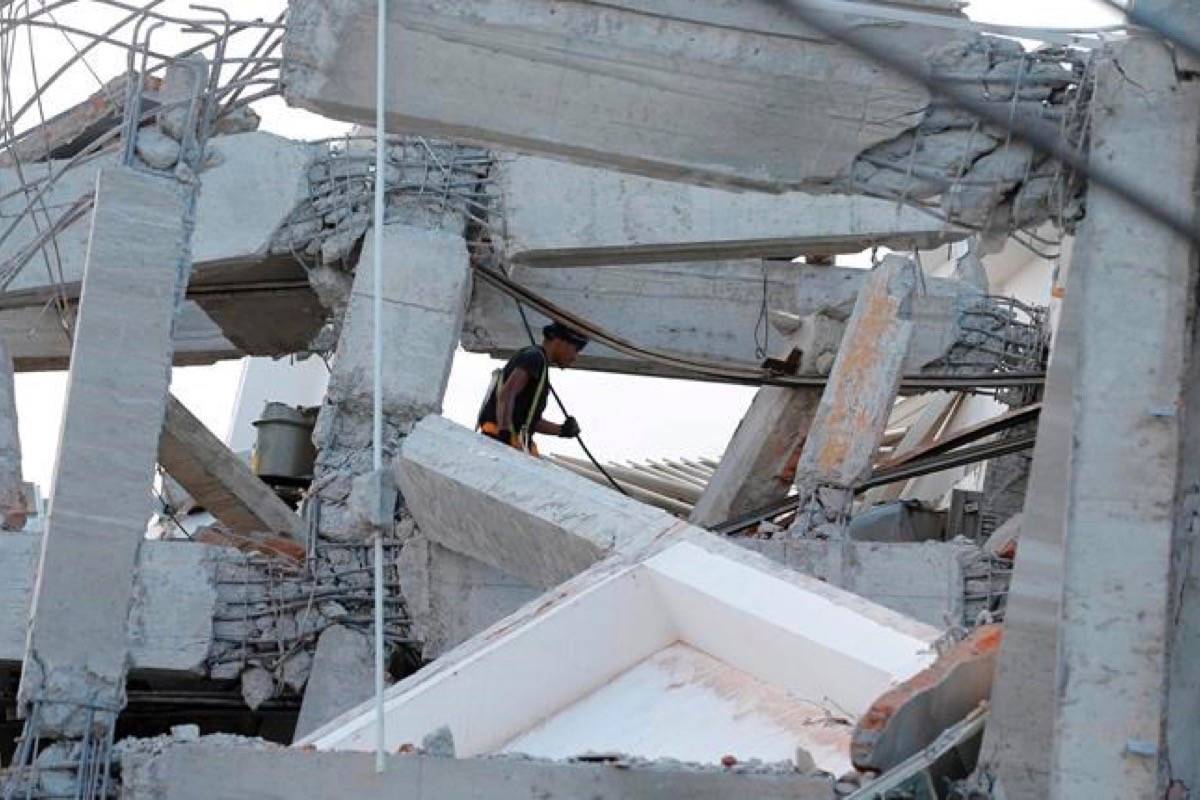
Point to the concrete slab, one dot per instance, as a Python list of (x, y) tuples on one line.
[(462, 487), (137, 268), (342, 677), (730, 95), (557, 214), (220, 771), (757, 619)]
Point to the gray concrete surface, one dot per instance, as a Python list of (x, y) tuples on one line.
[(343, 675), (465, 489), (425, 287), (12, 493), (172, 627), (137, 267), (1117, 604), (921, 580), (224, 772), (561, 214), (451, 597), (727, 94)]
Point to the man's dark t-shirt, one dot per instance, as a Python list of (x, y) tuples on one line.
[(533, 361)]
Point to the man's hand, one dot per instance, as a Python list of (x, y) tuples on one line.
[(569, 429)]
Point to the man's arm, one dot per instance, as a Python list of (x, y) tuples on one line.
[(506, 400), (547, 427)]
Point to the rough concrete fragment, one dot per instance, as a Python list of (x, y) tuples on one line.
[(157, 150), (13, 511), (439, 743), (218, 479), (137, 268), (451, 597), (734, 95), (215, 771), (342, 677), (258, 686), (558, 214), (463, 488), (757, 466), (908, 718)]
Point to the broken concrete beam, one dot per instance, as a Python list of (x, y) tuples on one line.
[(138, 262), (732, 95), (425, 285), (709, 310), (910, 717), (221, 770), (171, 628), (757, 466), (218, 479), (855, 405), (1118, 602), (557, 214), (343, 676), (451, 597), (462, 487), (37, 338), (921, 580), (13, 511), (666, 622)]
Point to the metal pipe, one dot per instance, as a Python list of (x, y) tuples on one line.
[(377, 360)]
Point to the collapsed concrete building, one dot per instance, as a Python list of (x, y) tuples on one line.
[(946, 553)]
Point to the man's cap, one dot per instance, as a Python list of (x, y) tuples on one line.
[(556, 330)]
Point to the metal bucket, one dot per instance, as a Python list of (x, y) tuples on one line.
[(283, 448)]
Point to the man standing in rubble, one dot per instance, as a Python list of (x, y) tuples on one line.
[(512, 411)]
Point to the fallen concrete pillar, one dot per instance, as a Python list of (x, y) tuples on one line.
[(451, 597), (12, 485), (425, 286), (734, 95), (205, 770), (463, 487), (855, 405), (137, 268), (218, 479), (343, 675), (557, 214), (1119, 528), (756, 469)]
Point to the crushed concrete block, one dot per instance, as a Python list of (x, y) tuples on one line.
[(342, 676), (258, 686), (908, 718)]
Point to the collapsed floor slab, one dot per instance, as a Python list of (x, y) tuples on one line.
[(731, 95), (646, 612)]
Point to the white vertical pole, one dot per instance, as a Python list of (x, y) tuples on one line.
[(377, 365)]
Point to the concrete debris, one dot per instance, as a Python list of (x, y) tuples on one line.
[(438, 743), (342, 677), (158, 150), (258, 686), (13, 506)]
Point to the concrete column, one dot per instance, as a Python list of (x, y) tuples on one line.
[(1017, 745), (12, 484), (425, 293), (755, 469), (857, 401), (137, 268), (1134, 276)]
